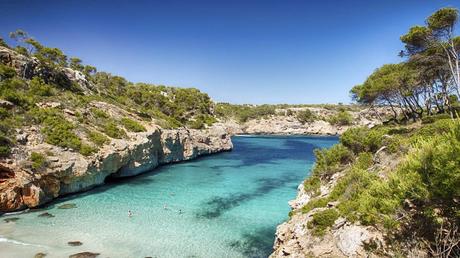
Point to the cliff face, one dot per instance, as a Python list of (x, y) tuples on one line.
[(69, 172), (284, 124)]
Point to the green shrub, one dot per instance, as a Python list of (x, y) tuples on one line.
[(434, 118), (38, 160), (312, 185), (132, 125), (98, 138), (99, 113), (328, 161), (6, 72), (201, 121), (112, 130), (5, 145), (40, 88), (322, 221), (438, 127), (437, 161), (87, 150), (58, 131), (306, 116), (361, 139), (4, 113), (341, 118), (315, 203)]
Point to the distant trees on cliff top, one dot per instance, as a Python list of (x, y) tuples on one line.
[(428, 80)]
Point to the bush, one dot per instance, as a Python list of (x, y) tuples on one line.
[(112, 130), (341, 118), (434, 118), (98, 138), (312, 185), (323, 220), (38, 160), (437, 161), (38, 87), (6, 72), (306, 116), (360, 139), (99, 113), (58, 131), (132, 125), (328, 161), (5, 145), (201, 121), (87, 150)]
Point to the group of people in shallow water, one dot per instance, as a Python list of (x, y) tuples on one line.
[(165, 207)]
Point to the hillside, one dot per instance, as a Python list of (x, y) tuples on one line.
[(392, 190), (66, 127)]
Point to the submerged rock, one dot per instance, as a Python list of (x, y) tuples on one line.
[(67, 206), (40, 255), (8, 220), (74, 243), (84, 255), (46, 215)]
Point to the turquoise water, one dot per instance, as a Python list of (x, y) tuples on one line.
[(225, 205)]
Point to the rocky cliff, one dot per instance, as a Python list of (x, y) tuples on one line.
[(70, 172), (284, 123), (294, 239)]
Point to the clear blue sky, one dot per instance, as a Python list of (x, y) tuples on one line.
[(237, 51)]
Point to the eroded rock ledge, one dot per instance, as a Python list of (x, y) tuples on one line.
[(69, 172)]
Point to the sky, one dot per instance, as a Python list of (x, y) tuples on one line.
[(267, 51)]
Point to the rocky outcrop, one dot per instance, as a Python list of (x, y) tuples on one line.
[(284, 124), (28, 67), (69, 172), (345, 239)]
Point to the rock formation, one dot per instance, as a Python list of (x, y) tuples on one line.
[(70, 172)]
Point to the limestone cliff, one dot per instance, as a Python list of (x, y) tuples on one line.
[(70, 172), (283, 123)]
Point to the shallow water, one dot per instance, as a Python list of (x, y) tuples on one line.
[(225, 205)]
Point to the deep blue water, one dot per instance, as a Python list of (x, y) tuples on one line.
[(224, 205)]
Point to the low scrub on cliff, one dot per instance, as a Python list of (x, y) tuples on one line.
[(132, 125), (306, 116), (38, 160), (323, 220), (419, 196), (243, 113), (343, 117)]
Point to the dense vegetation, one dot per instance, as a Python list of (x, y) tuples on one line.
[(402, 178), (428, 80), (86, 128), (419, 197)]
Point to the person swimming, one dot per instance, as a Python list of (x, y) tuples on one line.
[(130, 213), (165, 206)]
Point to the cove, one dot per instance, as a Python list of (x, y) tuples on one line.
[(224, 205)]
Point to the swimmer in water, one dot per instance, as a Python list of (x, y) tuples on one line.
[(130, 214), (165, 206), (180, 211)]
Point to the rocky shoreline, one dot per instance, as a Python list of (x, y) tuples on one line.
[(283, 124), (69, 172)]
